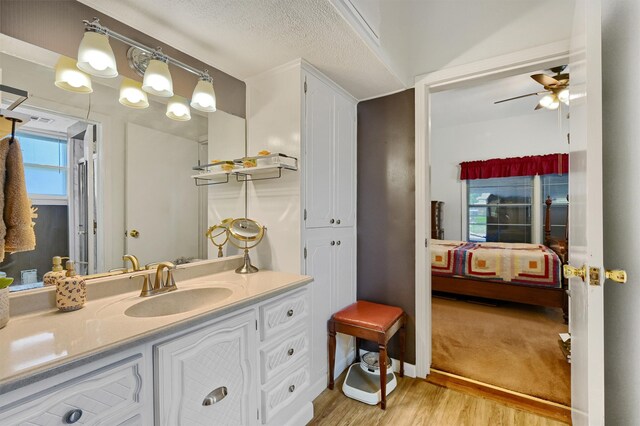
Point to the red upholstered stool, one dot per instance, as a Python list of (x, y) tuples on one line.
[(369, 321)]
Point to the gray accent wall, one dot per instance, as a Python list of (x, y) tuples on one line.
[(386, 206), (56, 25), (621, 169)]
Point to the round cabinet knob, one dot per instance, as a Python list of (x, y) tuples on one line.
[(290, 313), (338, 243), (333, 243), (290, 352), (72, 416), (331, 221), (292, 388), (338, 221)]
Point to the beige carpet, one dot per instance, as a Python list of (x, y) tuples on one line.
[(512, 346)]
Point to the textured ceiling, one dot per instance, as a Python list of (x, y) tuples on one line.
[(244, 38)]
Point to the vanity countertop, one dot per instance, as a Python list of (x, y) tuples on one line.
[(39, 344)]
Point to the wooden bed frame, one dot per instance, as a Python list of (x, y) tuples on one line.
[(539, 296)]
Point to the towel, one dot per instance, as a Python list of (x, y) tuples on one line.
[(16, 228)]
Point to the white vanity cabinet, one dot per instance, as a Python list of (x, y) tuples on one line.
[(208, 376), (111, 395)]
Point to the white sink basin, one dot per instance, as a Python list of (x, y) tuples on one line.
[(178, 302)]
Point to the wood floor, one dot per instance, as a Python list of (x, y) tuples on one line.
[(417, 402)]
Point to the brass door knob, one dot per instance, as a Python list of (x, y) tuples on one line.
[(616, 275), (572, 272), (134, 233)]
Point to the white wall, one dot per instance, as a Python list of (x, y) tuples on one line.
[(621, 151), (274, 123), (531, 134)]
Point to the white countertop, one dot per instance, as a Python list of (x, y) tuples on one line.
[(41, 341)]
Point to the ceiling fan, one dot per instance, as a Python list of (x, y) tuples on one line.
[(555, 89)]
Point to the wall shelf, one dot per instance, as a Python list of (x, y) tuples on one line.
[(267, 167)]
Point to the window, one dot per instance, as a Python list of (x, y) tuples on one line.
[(556, 187), (499, 209), (45, 164)]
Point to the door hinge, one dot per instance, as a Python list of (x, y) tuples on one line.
[(305, 214), (305, 252), (258, 414), (305, 85), (426, 242), (256, 324)]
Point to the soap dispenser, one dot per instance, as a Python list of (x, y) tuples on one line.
[(56, 273), (71, 291)]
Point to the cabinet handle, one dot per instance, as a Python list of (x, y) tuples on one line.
[(331, 221), (292, 388), (290, 313), (338, 242), (338, 221), (290, 352), (72, 416), (333, 243), (215, 395)]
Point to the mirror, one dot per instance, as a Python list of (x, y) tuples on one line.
[(109, 180), (242, 232)]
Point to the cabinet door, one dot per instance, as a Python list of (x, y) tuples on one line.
[(344, 288), (318, 156), (319, 264), (219, 362), (345, 163)]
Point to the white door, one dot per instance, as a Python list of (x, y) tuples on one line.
[(585, 217), (161, 198)]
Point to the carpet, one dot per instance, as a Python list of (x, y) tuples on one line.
[(511, 345)]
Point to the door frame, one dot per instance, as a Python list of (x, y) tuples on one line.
[(528, 60)]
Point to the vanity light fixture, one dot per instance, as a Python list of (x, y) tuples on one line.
[(204, 97), (69, 77), (178, 109), (95, 56), (132, 95), (157, 78)]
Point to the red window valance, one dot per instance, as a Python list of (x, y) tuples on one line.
[(517, 166)]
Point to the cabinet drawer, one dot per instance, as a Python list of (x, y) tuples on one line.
[(276, 358), (281, 314), (107, 396), (285, 392)]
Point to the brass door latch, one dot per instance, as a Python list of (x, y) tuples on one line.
[(617, 275), (573, 272)]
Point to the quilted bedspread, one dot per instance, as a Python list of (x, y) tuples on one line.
[(515, 263)]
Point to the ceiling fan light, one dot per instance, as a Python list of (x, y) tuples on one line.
[(563, 96), (95, 56), (132, 95), (69, 77), (554, 105), (547, 100), (157, 79), (204, 96), (178, 109)]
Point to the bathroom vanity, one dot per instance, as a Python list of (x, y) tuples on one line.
[(237, 353)]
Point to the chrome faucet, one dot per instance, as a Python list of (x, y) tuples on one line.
[(160, 285)]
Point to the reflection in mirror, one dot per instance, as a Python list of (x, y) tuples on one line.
[(109, 180)]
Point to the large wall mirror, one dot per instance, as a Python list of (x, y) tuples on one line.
[(108, 180)]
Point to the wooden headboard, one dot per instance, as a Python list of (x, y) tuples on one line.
[(559, 245)]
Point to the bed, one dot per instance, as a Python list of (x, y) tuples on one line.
[(514, 272)]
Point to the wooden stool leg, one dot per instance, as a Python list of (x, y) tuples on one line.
[(382, 361), (403, 335), (357, 349), (332, 350)]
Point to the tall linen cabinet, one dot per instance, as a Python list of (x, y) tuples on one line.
[(310, 215)]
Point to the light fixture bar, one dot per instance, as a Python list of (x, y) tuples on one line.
[(99, 28), (21, 94)]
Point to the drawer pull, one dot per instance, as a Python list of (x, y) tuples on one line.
[(292, 388), (72, 416), (215, 395), (290, 351), (290, 313)]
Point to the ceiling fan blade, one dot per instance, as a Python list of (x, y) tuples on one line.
[(538, 106), (519, 97), (545, 80)]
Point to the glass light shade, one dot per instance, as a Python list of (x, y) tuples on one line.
[(132, 95), (547, 100), (554, 105), (204, 97), (563, 96), (95, 56), (178, 109), (157, 79), (69, 77)]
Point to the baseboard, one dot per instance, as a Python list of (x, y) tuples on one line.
[(511, 398), (302, 417), (409, 369)]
